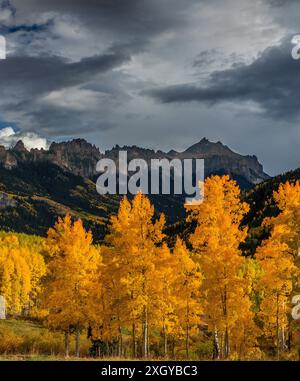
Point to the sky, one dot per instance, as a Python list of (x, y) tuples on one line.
[(155, 73)]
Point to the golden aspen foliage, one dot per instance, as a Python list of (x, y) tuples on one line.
[(133, 240), (106, 321), (73, 273), (135, 296), (244, 335), (21, 270), (166, 295), (14, 276), (276, 284), (186, 286), (286, 226), (216, 241), (37, 268), (279, 258)]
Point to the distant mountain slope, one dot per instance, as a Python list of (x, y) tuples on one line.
[(33, 195), (260, 197), (262, 205)]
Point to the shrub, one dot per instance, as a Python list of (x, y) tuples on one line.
[(10, 343)]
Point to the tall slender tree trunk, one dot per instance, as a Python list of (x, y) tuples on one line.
[(77, 342), (165, 340), (145, 326), (187, 340), (173, 348), (221, 345), (226, 347), (289, 339), (216, 345), (148, 342), (67, 344), (133, 341), (226, 344), (120, 346), (284, 333)]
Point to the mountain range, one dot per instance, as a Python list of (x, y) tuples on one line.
[(38, 185), (80, 158)]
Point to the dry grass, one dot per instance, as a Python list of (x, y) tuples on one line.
[(25, 339)]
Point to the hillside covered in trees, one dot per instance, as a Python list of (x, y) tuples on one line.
[(135, 296)]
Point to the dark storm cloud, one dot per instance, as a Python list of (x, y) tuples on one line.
[(125, 19), (47, 73), (26, 80), (271, 81), (119, 29), (77, 122)]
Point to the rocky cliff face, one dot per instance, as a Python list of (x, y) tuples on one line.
[(219, 159), (80, 158), (77, 156)]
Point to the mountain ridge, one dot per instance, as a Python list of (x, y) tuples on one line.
[(39, 185), (80, 157)]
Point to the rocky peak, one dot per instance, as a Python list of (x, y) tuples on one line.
[(77, 156), (205, 147), (172, 152), (20, 147), (75, 146)]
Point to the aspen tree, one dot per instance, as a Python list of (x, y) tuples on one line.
[(134, 238), (166, 295), (279, 257), (216, 241), (15, 283), (187, 282), (72, 275), (21, 271)]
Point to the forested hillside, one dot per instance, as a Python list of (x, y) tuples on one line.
[(140, 294)]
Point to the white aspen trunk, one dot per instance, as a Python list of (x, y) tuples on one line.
[(67, 344), (277, 326), (77, 342), (216, 346)]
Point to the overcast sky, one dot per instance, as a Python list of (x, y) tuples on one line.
[(156, 73)]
